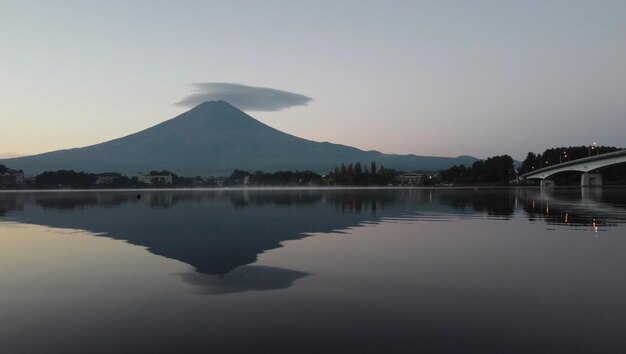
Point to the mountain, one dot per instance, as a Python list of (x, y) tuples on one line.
[(214, 138)]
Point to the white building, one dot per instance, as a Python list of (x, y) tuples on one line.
[(154, 179), (412, 179), (11, 178), (107, 178)]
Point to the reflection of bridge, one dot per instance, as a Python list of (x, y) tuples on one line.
[(589, 166)]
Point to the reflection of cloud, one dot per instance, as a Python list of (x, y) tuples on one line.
[(245, 278), (247, 98)]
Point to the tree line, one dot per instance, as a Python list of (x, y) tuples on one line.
[(500, 170), (494, 170), (279, 178), (355, 174), (85, 180), (351, 174)]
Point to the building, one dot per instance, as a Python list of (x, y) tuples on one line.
[(412, 179), (10, 178), (155, 179), (106, 179)]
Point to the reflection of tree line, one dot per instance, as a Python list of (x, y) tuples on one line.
[(353, 201), (493, 202), (370, 201), (497, 202), (248, 198), (350, 201)]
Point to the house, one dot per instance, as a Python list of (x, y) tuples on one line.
[(11, 178), (106, 179), (155, 179), (412, 179)]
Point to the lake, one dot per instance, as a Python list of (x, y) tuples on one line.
[(314, 271)]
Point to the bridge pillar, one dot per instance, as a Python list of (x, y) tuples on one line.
[(546, 183), (591, 194), (591, 180)]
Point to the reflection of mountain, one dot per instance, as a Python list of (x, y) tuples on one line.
[(214, 231), (245, 278), (218, 231)]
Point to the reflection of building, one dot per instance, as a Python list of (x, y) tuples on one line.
[(154, 179), (10, 178), (412, 179)]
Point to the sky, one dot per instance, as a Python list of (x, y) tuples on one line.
[(443, 78)]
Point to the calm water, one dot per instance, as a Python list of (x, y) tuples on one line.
[(391, 271)]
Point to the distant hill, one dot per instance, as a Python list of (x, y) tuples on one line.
[(214, 138)]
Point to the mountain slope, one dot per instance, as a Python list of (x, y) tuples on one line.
[(214, 138)]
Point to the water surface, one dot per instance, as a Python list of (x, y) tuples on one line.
[(403, 271)]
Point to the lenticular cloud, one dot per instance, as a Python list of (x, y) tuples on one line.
[(247, 98)]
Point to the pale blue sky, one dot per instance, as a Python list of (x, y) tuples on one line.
[(430, 78)]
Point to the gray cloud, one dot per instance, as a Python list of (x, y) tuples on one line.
[(247, 98)]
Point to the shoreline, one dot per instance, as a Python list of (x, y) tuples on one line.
[(299, 188)]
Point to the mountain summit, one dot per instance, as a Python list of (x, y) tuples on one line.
[(214, 138)]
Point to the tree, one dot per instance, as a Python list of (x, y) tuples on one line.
[(531, 162), (358, 171), (237, 177), (350, 170)]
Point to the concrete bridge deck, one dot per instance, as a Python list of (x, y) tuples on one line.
[(588, 166)]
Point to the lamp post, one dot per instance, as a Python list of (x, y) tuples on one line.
[(592, 147), (563, 154)]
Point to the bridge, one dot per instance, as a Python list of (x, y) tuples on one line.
[(589, 166)]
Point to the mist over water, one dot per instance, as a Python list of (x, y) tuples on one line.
[(447, 271)]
